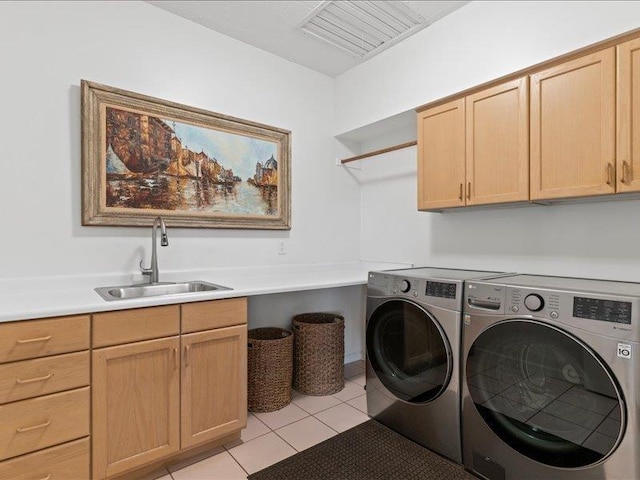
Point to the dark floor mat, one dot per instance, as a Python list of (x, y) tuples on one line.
[(369, 451)]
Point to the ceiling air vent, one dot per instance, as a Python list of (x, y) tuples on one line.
[(362, 28)]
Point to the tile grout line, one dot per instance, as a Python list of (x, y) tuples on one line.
[(308, 414)]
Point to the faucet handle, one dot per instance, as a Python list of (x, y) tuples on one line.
[(145, 271)]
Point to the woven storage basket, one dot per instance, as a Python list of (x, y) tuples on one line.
[(318, 353), (270, 368)]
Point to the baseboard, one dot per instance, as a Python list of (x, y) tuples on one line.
[(353, 357)]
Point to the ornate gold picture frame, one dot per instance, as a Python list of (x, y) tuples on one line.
[(143, 157)]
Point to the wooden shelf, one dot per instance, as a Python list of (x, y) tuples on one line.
[(379, 152)]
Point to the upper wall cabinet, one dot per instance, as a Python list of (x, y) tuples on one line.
[(628, 110), (475, 150), (498, 144), (441, 175), (573, 132)]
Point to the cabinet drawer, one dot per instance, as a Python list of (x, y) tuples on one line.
[(39, 338), (213, 314), (126, 326), (40, 422), (31, 378), (70, 460)]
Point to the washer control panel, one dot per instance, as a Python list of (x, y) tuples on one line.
[(436, 292)]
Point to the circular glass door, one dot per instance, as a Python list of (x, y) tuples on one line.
[(408, 351), (545, 393)]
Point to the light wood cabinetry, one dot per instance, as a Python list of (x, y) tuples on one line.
[(41, 376), (214, 384), (44, 398), (40, 422), (475, 150), (40, 338), (63, 462), (581, 137), (441, 175), (126, 326), (153, 398), (573, 128), (497, 138), (136, 403), (628, 117)]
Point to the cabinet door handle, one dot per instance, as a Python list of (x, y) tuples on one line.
[(32, 380), (609, 173), (35, 427), (469, 191), (460, 194), (175, 357), (186, 355), (626, 172), (34, 340)]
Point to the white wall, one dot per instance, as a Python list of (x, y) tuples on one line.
[(594, 240), (484, 40), (277, 310), (475, 44), (48, 47)]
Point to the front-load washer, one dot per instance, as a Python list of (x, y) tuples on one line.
[(551, 371), (413, 340)]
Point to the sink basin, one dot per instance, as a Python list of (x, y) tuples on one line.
[(126, 292)]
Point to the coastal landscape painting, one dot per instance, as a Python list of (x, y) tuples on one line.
[(144, 157)]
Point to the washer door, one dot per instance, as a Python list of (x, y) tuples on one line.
[(408, 351), (545, 393)]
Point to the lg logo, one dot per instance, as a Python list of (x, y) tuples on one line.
[(624, 350)]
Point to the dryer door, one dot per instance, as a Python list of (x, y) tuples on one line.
[(545, 393), (408, 351)]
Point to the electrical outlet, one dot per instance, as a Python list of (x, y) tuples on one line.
[(282, 247)]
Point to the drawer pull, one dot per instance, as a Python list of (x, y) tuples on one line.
[(626, 177), (32, 380), (46, 478), (34, 340), (35, 427)]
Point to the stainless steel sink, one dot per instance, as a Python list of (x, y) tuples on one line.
[(125, 292)]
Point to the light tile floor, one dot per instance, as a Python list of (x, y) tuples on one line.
[(271, 437)]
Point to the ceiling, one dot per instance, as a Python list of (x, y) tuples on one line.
[(274, 26)]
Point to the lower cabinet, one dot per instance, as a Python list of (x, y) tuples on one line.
[(153, 399), (214, 384), (66, 461), (136, 405)]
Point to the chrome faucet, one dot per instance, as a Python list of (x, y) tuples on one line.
[(164, 241)]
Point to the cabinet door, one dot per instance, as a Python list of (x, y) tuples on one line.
[(136, 403), (573, 128), (214, 384), (441, 147), (628, 156), (497, 132)]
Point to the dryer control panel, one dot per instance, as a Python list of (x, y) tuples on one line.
[(436, 292)]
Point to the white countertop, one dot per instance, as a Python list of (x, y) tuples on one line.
[(39, 297)]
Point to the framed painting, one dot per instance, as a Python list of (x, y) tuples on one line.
[(143, 157)]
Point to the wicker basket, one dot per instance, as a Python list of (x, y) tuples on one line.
[(318, 353), (270, 367)]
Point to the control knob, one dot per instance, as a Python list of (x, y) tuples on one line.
[(534, 302), (405, 286)]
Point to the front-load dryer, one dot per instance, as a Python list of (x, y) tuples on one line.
[(413, 340), (551, 371)]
